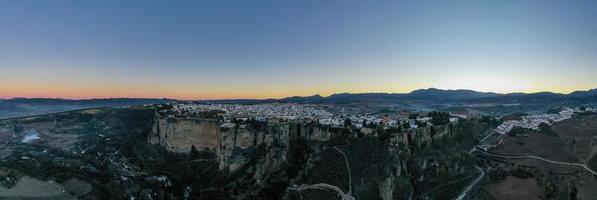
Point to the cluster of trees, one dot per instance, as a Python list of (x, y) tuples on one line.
[(490, 120), (370, 124), (439, 118), (554, 110)]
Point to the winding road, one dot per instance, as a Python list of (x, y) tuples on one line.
[(539, 158), (348, 168), (476, 149), (469, 187), (325, 186)]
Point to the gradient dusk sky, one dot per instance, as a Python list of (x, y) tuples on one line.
[(261, 49)]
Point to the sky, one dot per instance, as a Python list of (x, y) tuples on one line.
[(271, 49)]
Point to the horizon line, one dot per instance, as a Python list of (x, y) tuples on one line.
[(274, 98)]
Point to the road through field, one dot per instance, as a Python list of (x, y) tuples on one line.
[(469, 187), (539, 158)]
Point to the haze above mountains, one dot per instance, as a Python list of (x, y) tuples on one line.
[(430, 94), (426, 95), (18, 107)]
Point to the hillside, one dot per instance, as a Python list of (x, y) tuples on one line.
[(19, 107)]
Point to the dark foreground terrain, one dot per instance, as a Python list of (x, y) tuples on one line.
[(105, 154), (555, 162), (19, 107), (138, 152)]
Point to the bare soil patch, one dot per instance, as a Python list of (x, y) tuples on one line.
[(586, 187), (578, 126), (29, 187), (538, 145), (515, 188), (584, 147), (545, 166)]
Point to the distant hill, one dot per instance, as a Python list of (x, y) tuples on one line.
[(18, 107), (587, 93), (520, 98), (433, 93)]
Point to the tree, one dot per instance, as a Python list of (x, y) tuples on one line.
[(420, 123), (406, 125), (551, 190), (573, 190), (194, 151), (546, 129), (439, 118), (347, 122)]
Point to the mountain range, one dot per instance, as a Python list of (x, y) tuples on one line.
[(431, 95), (16, 107)]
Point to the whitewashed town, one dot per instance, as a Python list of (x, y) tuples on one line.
[(330, 115), (533, 121), (321, 113)]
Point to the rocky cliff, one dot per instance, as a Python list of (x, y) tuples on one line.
[(181, 134), (269, 157)]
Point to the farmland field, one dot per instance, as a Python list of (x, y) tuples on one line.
[(537, 144), (515, 188), (578, 126), (582, 129)]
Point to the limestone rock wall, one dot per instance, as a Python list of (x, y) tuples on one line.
[(427, 134), (237, 145), (179, 135)]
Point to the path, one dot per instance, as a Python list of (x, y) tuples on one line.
[(469, 187), (348, 168), (539, 158), (325, 186)]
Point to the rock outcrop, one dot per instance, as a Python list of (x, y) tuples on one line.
[(258, 155), (181, 134)]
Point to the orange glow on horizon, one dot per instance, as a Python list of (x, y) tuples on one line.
[(190, 93)]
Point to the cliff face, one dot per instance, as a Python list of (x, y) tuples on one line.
[(275, 155), (234, 144), (180, 135), (238, 145)]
